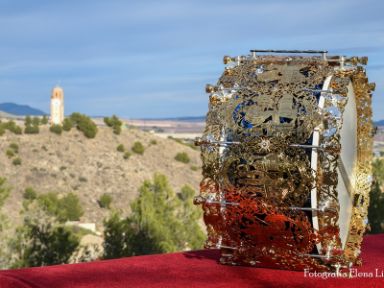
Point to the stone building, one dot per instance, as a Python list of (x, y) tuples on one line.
[(57, 106)]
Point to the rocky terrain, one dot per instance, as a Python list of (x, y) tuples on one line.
[(90, 167)]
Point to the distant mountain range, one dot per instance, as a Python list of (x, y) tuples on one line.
[(20, 110), (23, 110), (379, 123), (178, 119), (13, 109)]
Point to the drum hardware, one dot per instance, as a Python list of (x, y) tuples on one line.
[(327, 256), (201, 200), (290, 51), (341, 60), (201, 142)]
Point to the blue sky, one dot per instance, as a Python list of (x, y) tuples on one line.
[(153, 58)]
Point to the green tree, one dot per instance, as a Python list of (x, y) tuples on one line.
[(190, 216), (70, 208), (378, 169), (376, 209), (65, 209), (158, 223), (84, 124), (42, 244), (4, 193), (376, 202)]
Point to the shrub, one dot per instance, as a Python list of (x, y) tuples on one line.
[(105, 201), (28, 121), (115, 123), (57, 129), (30, 194), (12, 127), (44, 120), (120, 148), (138, 148), (66, 209), (36, 121), (194, 168), (31, 125), (153, 142), (31, 129), (14, 147), (16, 161), (48, 202), (10, 153), (70, 208), (84, 124), (127, 155), (182, 157), (4, 193), (67, 124), (117, 130)]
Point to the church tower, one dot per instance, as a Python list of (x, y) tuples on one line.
[(57, 106)]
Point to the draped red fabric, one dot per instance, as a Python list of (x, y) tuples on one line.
[(190, 269)]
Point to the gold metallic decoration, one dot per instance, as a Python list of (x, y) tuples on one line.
[(259, 180)]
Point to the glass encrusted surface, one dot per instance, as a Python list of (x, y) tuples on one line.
[(256, 161)]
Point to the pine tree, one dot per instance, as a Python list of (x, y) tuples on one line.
[(4, 193), (376, 203), (376, 209), (41, 240), (161, 221)]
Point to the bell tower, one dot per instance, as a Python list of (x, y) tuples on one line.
[(57, 106)]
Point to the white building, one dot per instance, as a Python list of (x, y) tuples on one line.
[(57, 106)]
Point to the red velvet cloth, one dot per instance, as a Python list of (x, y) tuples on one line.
[(190, 269)]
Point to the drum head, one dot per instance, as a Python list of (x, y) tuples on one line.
[(346, 165)]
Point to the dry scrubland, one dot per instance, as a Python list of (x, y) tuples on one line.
[(91, 167)]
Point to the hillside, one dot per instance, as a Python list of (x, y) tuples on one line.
[(6, 115), (91, 167)]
